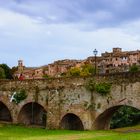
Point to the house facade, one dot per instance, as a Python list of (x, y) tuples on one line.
[(108, 62)]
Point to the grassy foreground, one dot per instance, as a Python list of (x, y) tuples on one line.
[(10, 132)]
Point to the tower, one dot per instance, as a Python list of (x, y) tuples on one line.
[(20, 65)]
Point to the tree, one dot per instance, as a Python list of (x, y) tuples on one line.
[(87, 70), (7, 70), (74, 72), (2, 73), (46, 76), (125, 116), (13, 70), (134, 68)]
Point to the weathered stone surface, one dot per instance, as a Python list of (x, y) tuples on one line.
[(60, 97)]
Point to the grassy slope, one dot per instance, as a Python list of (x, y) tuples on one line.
[(21, 133)]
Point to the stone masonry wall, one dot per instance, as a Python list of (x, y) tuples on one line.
[(62, 96)]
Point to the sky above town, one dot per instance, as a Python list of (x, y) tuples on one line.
[(42, 31)]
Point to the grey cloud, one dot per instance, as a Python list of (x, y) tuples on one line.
[(100, 13)]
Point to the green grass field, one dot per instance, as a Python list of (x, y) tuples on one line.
[(11, 132)]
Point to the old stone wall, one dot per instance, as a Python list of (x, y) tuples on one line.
[(68, 100)]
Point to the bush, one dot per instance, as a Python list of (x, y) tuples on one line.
[(74, 72), (2, 73), (46, 76), (19, 96), (7, 70), (87, 70), (134, 68), (125, 116), (90, 85), (103, 88)]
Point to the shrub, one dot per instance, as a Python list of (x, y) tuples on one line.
[(90, 85), (87, 70), (134, 68), (124, 117), (2, 73), (46, 76), (19, 96), (103, 88), (74, 72)]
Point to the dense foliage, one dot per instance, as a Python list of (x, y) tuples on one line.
[(103, 88), (74, 72), (19, 96), (90, 85), (87, 70), (134, 68), (2, 73), (13, 70), (84, 70), (7, 71), (125, 116), (46, 76)]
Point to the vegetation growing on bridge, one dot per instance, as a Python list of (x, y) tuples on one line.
[(134, 68), (19, 96), (103, 88)]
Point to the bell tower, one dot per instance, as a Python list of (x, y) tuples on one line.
[(20, 65)]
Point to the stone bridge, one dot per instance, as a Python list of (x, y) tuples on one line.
[(65, 103)]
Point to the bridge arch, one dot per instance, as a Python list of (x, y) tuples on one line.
[(33, 113), (71, 121), (103, 120), (5, 114)]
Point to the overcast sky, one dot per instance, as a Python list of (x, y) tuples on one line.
[(42, 31)]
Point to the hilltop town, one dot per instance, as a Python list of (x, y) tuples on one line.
[(108, 62)]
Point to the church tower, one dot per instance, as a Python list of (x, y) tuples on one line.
[(20, 66)]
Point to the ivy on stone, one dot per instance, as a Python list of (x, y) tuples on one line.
[(103, 88), (90, 85), (18, 96)]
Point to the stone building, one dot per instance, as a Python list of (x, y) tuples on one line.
[(118, 60), (115, 61), (108, 62), (28, 72), (60, 67)]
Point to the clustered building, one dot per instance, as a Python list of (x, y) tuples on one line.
[(108, 62)]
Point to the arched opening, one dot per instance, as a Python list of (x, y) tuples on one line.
[(109, 117), (71, 122), (5, 114), (32, 114), (124, 117)]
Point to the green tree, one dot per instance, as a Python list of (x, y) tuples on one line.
[(87, 70), (7, 70), (74, 72), (134, 68), (103, 88), (19, 96), (13, 70), (2, 73), (125, 116), (46, 76)]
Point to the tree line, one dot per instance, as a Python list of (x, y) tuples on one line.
[(6, 72)]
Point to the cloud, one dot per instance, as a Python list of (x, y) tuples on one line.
[(101, 13), (42, 31)]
